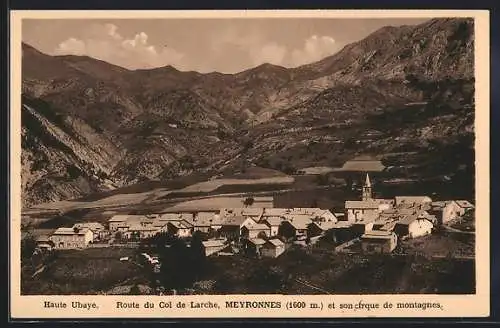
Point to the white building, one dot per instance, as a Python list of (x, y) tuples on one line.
[(413, 226), (71, 238)]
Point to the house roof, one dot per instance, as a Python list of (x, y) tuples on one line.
[(370, 204), (388, 226), (233, 220), (257, 226), (384, 201), (423, 222), (387, 216), (464, 204), (326, 225), (313, 211), (186, 223), (89, 225), (401, 215), (411, 209), (381, 222), (378, 234), (161, 224), (368, 218), (122, 224), (245, 211), (139, 227), (130, 219), (299, 222), (273, 221), (181, 224), (252, 211), (206, 220), (389, 212), (426, 215), (257, 241), (412, 199), (324, 213), (408, 219), (307, 210), (70, 231), (276, 242), (275, 211), (342, 225), (214, 242), (202, 223)]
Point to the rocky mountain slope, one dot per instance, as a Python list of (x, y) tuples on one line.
[(89, 125)]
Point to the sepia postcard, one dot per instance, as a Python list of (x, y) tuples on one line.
[(249, 164)]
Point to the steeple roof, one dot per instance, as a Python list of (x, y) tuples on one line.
[(367, 181)]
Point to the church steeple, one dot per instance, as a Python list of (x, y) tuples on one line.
[(367, 188)]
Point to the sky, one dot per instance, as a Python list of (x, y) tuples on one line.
[(205, 45)]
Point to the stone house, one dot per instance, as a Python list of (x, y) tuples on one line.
[(181, 229), (117, 221), (71, 238), (413, 226), (357, 209), (295, 226), (272, 248), (254, 246), (256, 230), (378, 242), (446, 211), (137, 231), (231, 227), (213, 246)]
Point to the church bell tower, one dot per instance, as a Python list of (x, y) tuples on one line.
[(367, 189)]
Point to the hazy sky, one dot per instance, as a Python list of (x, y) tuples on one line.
[(204, 45)]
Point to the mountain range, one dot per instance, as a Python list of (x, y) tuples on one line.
[(89, 126)]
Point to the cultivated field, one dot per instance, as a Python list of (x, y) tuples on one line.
[(314, 170), (209, 186), (253, 179), (208, 204)]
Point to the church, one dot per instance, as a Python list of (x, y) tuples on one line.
[(368, 207)]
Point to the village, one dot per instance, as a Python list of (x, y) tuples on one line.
[(367, 225)]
